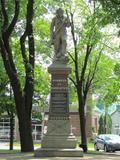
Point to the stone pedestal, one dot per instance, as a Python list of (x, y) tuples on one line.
[(59, 140), (58, 136)]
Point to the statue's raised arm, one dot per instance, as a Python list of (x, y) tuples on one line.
[(59, 34)]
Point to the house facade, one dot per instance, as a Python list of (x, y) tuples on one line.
[(40, 127), (116, 122), (92, 121), (37, 127)]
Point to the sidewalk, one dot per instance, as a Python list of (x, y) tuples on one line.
[(30, 156)]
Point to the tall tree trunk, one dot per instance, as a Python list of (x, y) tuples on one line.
[(82, 117), (25, 134), (25, 127), (11, 132)]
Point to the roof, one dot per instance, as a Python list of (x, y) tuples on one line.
[(115, 111)]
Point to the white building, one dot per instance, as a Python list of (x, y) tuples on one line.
[(116, 121), (5, 129)]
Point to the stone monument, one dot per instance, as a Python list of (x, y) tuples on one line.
[(59, 139)]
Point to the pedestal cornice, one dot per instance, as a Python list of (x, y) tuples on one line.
[(58, 68)]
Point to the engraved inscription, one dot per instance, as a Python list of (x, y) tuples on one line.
[(59, 84), (59, 102)]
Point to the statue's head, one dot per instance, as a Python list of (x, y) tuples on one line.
[(59, 12)]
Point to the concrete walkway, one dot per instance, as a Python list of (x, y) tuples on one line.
[(30, 156)]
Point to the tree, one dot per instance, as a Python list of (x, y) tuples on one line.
[(101, 125), (89, 43), (102, 129), (107, 89), (112, 8), (22, 94), (85, 57)]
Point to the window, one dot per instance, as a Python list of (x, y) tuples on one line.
[(4, 128), (36, 129)]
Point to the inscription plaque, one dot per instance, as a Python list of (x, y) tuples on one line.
[(59, 103)]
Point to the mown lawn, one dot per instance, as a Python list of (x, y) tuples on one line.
[(91, 145), (36, 145)]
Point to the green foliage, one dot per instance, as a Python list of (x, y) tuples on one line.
[(109, 121), (41, 87), (88, 25), (41, 34), (112, 7), (100, 104), (102, 124), (117, 69), (7, 103), (37, 115), (106, 83), (42, 38)]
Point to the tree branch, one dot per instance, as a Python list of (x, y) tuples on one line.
[(71, 56), (75, 48), (15, 18), (9, 65), (5, 16), (73, 81), (5, 47), (88, 51), (22, 44), (95, 67), (29, 62), (28, 33)]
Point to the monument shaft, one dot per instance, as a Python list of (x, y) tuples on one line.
[(59, 103)]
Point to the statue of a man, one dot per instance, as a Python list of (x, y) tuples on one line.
[(58, 33)]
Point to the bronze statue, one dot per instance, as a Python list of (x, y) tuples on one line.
[(58, 33)]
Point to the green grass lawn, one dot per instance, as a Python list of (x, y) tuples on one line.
[(16, 150), (8, 151), (17, 144), (90, 145), (36, 145)]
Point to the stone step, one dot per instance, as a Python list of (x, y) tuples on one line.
[(46, 152)]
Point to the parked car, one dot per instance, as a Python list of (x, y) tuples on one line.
[(107, 142)]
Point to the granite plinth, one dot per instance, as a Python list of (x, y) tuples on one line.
[(57, 68), (59, 135), (45, 152)]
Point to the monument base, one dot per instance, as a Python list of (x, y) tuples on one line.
[(58, 135), (59, 141), (45, 152)]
